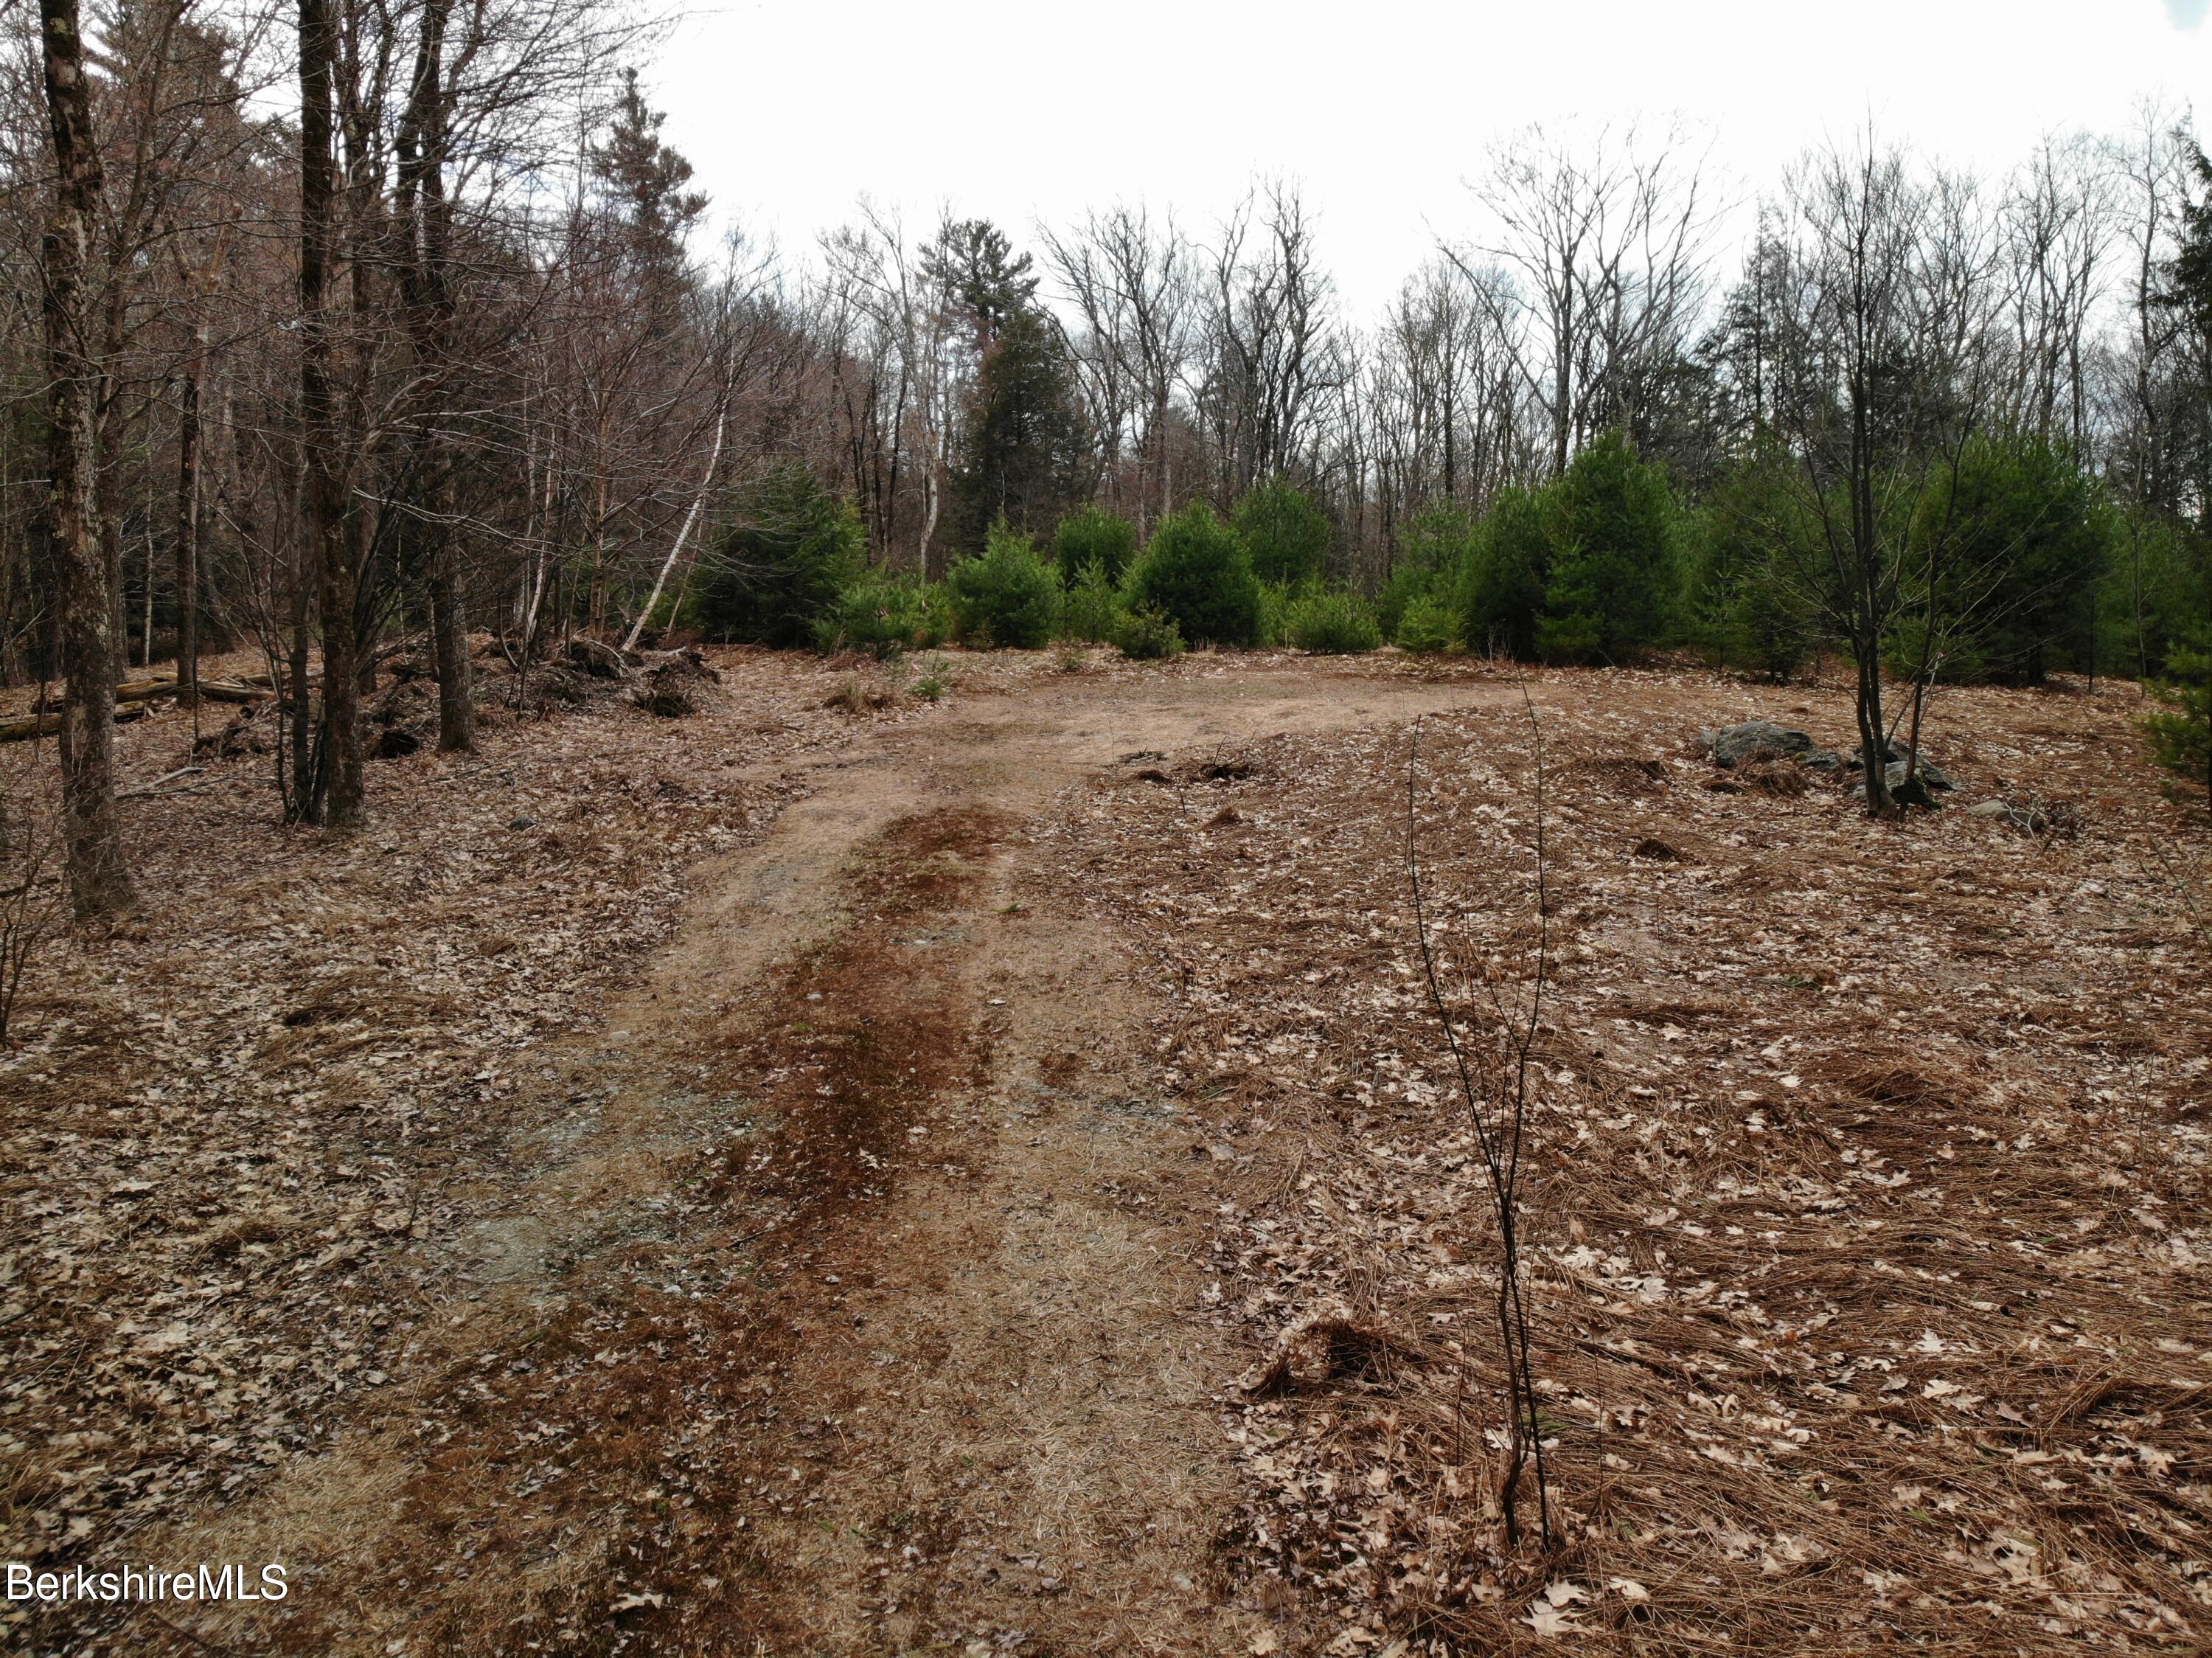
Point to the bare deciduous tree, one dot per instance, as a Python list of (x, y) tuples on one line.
[(1134, 285), (1893, 285), (1268, 322), (1606, 234), (1495, 1070)]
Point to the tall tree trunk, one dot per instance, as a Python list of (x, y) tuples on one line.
[(931, 489), (188, 526), (691, 517), (595, 603), (457, 715), (449, 645), (1563, 352), (107, 502), (146, 611), (1167, 469), (425, 213), (326, 511), (99, 880), (306, 762), (1873, 741)]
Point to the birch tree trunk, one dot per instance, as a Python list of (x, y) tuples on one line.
[(713, 459)]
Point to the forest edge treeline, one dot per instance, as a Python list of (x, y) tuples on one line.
[(432, 350)]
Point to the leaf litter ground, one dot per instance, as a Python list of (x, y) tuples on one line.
[(1868, 1178)]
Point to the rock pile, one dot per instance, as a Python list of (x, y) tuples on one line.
[(1757, 741)]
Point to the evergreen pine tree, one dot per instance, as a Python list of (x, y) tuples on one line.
[(1197, 574), (972, 260), (1094, 538), (781, 567), (1286, 533), (1507, 566), (2182, 730), (1613, 580), (1026, 441), (644, 179)]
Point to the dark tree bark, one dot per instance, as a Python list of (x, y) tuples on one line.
[(328, 518), (307, 765), (426, 214), (1871, 613), (99, 879), (188, 526), (449, 631)]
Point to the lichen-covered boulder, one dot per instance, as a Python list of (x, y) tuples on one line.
[(1754, 739)]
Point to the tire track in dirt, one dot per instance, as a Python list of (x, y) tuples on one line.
[(850, 1309)]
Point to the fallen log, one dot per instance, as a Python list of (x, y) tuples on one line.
[(264, 680), (135, 691), (22, 727), (234, 691), (146, 790)]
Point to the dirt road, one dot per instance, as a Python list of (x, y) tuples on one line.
[(837, 1296)]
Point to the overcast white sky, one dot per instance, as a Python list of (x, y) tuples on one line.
[(791, 108)]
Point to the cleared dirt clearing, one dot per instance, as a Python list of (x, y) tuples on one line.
[(977, 1179), (803, 1277)]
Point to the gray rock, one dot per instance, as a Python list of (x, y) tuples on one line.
[(1899, 753), (2028, 819), (1920, 791), (1916, 790), (1754, 739), (1822, 759), (1894, 749), (1932, 774)]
